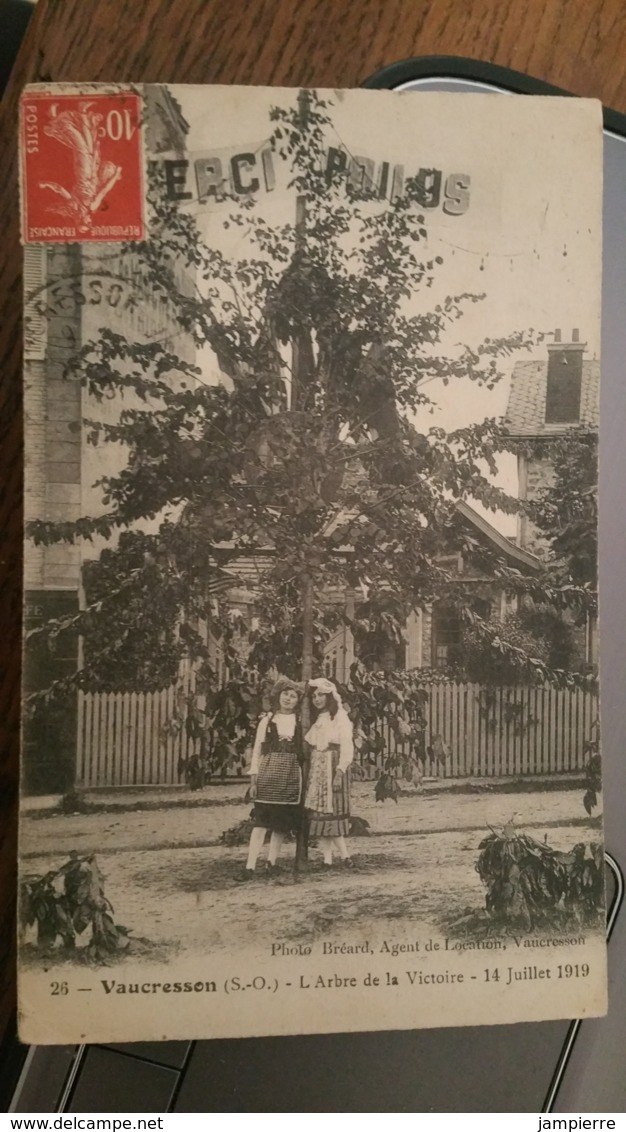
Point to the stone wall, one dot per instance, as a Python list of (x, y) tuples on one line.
[(52, 413), (535, 475)]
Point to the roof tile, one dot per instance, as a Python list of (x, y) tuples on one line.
[(526, 410)]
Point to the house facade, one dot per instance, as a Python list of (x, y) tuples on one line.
[(70, 292), (548, 397), (432, 634)]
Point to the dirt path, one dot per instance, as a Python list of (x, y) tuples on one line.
[(175, 827), (412, 870)]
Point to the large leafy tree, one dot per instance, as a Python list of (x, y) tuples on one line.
[(566, 512), (313, 462)]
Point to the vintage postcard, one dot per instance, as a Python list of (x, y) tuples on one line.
[(311, 726)]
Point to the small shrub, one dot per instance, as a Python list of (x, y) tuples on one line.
[(63, 904), (387, 787), (592, 782), (238, 834), (531, 885), (74, 803)]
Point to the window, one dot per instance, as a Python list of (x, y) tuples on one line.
[(377, 655), (446, 636), (564, 382)]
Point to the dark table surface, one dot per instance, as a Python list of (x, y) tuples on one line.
[(578, 45)]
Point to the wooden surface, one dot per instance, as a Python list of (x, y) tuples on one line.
[(576, 44)]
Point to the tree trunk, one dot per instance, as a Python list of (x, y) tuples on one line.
[(302, 843), (298, 380)]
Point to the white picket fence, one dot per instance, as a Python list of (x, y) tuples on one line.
[(495, 732), (125, 740)]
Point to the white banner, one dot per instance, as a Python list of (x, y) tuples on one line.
[(242, 171)]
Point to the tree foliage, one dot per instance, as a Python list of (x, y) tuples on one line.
[(539, 631), (122, 626), (566, 512)]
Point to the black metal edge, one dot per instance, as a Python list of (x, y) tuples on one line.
[(12, 1057), (477, 70), (572, 1033)]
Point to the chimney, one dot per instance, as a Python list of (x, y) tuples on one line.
[(564, 381)]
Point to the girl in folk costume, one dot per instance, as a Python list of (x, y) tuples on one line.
[(276, 775), (327, 800)]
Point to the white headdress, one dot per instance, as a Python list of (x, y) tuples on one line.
[(337, 730), (321, 684)]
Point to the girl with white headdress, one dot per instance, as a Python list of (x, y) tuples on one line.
[(327, 799)]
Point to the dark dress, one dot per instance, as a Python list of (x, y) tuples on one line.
[(279, 782)]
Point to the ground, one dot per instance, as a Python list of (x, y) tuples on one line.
[(171, 882)]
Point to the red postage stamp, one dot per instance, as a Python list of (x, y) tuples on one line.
[(82, 167)]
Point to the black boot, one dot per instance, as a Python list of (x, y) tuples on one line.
[(245, 874)]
